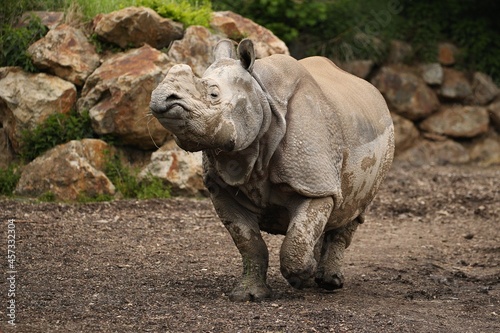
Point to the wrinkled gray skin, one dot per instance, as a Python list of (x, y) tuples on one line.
[(290, 147)]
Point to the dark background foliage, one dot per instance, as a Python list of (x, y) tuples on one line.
[(347, 29)]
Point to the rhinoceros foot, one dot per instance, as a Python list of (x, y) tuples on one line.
[(250, 290), (330, 282)]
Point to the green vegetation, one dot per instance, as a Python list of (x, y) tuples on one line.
[(188, 12), (356, 29), (8, 179), (14, 43), (57, 129), (127, 183)]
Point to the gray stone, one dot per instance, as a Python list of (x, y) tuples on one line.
[(458, 121), (484, 89), (180, 170), (435, 153), (494, 110), (79, 172), (28, 99), (405, 133), (65, 52), (455, 85), (117, 97), (432, 73), (406, 93), (486, 150), (237, 27), (136, 26), (194, 49)]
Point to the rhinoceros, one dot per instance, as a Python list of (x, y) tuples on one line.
[(291, 147)]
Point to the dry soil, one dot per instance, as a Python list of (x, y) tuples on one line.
[(426, 260)]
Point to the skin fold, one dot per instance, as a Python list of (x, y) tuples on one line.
[(290, 147)]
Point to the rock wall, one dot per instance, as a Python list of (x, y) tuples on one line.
[(441, 115)]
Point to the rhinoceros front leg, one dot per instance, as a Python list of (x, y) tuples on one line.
[(244, 229), (308, 218), (330, 274)]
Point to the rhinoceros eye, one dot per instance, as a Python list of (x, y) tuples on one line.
[(214, 93)]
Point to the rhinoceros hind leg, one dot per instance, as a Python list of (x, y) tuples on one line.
[(329, 274)]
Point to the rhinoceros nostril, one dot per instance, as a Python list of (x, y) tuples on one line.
[(165, 105), (172, 98)]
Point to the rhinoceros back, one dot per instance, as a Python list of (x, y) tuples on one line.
[(368, 134)]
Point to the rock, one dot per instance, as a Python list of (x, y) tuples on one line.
[(65, 52), (181, 170), (435, 153), (455, 85), (447, 54), (432, 73), (494, 110), (48, 19), (483, 88), (6, 152), (136, 26), (28, 99), (194, 49), (405, 133), (79, 167), (458, 121), (118, 93), (360, 68), (399, 52), (406, 93), (237, 27), (486, 150)]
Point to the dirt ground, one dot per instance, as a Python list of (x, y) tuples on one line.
[(426, 260)]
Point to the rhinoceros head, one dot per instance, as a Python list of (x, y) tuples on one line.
[(221, 110)]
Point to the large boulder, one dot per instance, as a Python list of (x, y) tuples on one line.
[(494, 110), (136, 26), (194, 49), (68, 171), (486, 150), (27, 99), (180, 170), (405, 133), (458, 121), (426, 152), (483, 88), (406, 93), (118, 93), (455, 85), (237, 27), (65, 52), (432, 73)]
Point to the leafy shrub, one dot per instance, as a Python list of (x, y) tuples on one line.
[(14, 43), (8, 179), (57, 129), (188, 12), (127, 183)]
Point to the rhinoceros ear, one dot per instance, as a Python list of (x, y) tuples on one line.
[(246, 54), (224, 49)]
